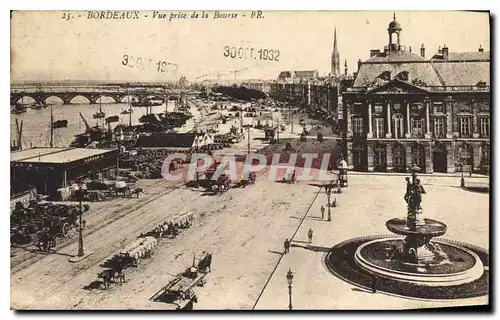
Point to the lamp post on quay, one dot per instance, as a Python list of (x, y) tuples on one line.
[(289, 278), (80, 195)]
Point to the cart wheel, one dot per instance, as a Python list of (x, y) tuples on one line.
[(64, 229)]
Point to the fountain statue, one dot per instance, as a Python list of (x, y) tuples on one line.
[(417, 258)]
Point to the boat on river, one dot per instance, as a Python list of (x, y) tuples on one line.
[(59, 124), (18, 109)]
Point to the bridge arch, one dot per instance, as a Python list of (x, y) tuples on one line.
[(24, 99), (80, 99), (53, 99), (104, 98), (133, 98)]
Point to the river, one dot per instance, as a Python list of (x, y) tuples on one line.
[(36, 123)]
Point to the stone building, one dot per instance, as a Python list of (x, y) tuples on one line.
[(404, 109)]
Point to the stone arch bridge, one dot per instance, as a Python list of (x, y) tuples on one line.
[(92, 94)]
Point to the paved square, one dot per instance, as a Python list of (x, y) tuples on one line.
[(363, 208)]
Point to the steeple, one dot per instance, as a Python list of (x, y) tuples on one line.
[(335, 56)]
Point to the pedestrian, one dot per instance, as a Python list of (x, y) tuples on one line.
[(287, 246), (322, 212), (310, 235)]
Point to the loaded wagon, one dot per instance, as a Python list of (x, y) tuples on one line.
[(181, 290), (53, 218)]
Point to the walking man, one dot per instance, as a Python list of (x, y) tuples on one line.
[(287, 246), (322, 212), (310, 235)]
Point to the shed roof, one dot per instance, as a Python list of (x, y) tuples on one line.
[(56, 155), (33, 152)]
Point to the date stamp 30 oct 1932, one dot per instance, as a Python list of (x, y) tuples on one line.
[(246, 53)]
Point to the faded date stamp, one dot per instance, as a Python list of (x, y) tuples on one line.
[(148, 64)]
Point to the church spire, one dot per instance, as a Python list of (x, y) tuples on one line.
[(335, 56)]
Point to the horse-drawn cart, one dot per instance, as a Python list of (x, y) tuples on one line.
[(181, 290)]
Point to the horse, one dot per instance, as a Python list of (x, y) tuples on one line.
[(109, 275), (45, 241)]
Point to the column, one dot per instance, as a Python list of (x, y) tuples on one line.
[(65, 178), (370, 154), (427, 120), (476, 156), (388, 135), (350, 161), (475, 124), (408, 128), (369, 135), (450, 157), (388, 152), (308, 93), (454, 128), (409, 157), (429, 168), (348, 118), (449, 118)]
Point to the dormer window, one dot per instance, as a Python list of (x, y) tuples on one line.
[(386, 75), (481, 84), (403, 76)]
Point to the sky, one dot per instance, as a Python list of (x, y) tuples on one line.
[(45, 45)]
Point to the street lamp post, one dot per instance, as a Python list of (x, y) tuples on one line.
[(328, 194), (289, 278), (80, 195)]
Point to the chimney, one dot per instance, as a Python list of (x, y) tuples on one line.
[(410, 49), (422, 51), (481, 49), (440, 51), (445, 53), (374, 52), (359, 64), (345, 67)]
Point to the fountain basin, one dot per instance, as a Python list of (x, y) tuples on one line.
[(461, 266), (431, 228)]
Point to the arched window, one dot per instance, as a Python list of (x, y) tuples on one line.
[(398, 124)]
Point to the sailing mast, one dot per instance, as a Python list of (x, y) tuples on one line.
[(20, 136), (51, 128), (129, 109)]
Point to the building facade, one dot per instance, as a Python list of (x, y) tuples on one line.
[(405, 110)]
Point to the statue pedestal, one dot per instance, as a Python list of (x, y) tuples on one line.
[(415, 218)]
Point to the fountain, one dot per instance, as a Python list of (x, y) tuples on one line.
[(418, 258)]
